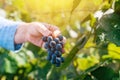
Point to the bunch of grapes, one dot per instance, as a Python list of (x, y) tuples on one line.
[(54, 47)]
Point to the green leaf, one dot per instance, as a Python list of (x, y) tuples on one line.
[(103, 49), (7, 63), (109, 29), (21, 59), (2, 63), (91, 69), (75, 4), (117, 6), (88, 77), (10, 66), (103, 73), (105, 6)]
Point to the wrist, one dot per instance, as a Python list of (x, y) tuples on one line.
[(21, 32)]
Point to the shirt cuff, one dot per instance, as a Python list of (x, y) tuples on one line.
[(15, 46), (7, 34)]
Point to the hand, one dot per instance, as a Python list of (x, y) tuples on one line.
[(33, 32)]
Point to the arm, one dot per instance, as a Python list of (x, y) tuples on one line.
[(33, 32), (13, 34)]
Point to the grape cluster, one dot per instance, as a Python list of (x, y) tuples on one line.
[(54, 47)]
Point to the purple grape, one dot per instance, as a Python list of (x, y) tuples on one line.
[(50, 52), (44, 38), (60, 37), (56, 40), (59, 47), (58, 53), (58, 61), (50, 38), (53, 61), (52, 44), (49, 57), (46, 46), (54, 57), (54, 48), (62, 43)]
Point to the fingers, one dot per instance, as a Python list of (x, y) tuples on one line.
[(51, 27), (47, 29), (54, 29), (41, 29), (44, 31), (56, 33)]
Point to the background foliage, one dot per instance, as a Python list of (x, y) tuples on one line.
[(92, 30)]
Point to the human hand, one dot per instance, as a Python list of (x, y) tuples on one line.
[(33, 32)]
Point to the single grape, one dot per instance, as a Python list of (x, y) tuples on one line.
[(56, 40), (62, 43), (46, 46), (53, 61), (50, 52), (52, 43), (58, 53), (60, 37), (49, 57), (54, 56), (59, 47), (58, 60), (50, 38), (44, 38), (52, 49)]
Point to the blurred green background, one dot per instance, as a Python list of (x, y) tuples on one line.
[(92, 49)]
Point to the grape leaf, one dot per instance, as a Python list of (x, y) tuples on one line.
[(117, 6), (88, 77), (103, 73), (109, 29), (10, 65), (7, 63), (2, 62)]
